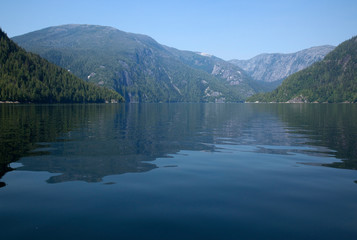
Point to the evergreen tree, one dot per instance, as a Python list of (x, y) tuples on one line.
[(26, 77)]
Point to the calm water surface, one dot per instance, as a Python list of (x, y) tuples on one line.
[(178, 171)]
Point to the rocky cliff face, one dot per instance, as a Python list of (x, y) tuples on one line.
[(138, 67), (230, 74), (332, 80), (274, 67)]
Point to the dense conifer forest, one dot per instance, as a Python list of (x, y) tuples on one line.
[(26, 77)]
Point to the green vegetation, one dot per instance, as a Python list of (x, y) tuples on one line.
[(229, 75), (134, 65), (332, 80), (26, 77), (272, 67)]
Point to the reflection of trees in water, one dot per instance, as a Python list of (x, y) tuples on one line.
[(329, 125), (116, 139), (89, 142), (4, 168), (23, 127), (124, 139)]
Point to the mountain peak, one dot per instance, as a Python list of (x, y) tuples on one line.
[(137, 66), (332, 80), (271, 67)]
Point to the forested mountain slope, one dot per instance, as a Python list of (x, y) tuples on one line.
[(26, 77), (334, 79), (135, 65)]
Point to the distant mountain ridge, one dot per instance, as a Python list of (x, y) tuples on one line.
[(334, 79), (138, 67), (276, 66)]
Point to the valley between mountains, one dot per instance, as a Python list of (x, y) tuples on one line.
[(142, 70)]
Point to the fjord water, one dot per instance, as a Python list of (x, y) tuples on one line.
[(178, 171)]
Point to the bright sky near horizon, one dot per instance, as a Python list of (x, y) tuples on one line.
[(228, 29)]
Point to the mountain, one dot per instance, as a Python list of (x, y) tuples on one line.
[(334, 79), (276, 66), (138, 67), (232, 75), (26, 77)]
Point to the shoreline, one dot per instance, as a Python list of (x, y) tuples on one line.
[(13, 102)]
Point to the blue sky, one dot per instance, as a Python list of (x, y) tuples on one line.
[(225, 28)]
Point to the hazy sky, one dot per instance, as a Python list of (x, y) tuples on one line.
[(225, 28)]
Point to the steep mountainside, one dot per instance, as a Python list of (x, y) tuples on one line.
[(26, 77), (332, 80), (232, 75), (134, 65), (275, 67)]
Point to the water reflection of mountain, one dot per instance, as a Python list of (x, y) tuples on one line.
[(327, 125), (89, 142), (120, 139), (23, 126)]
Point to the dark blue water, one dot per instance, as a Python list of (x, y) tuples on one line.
[(178, 171)]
